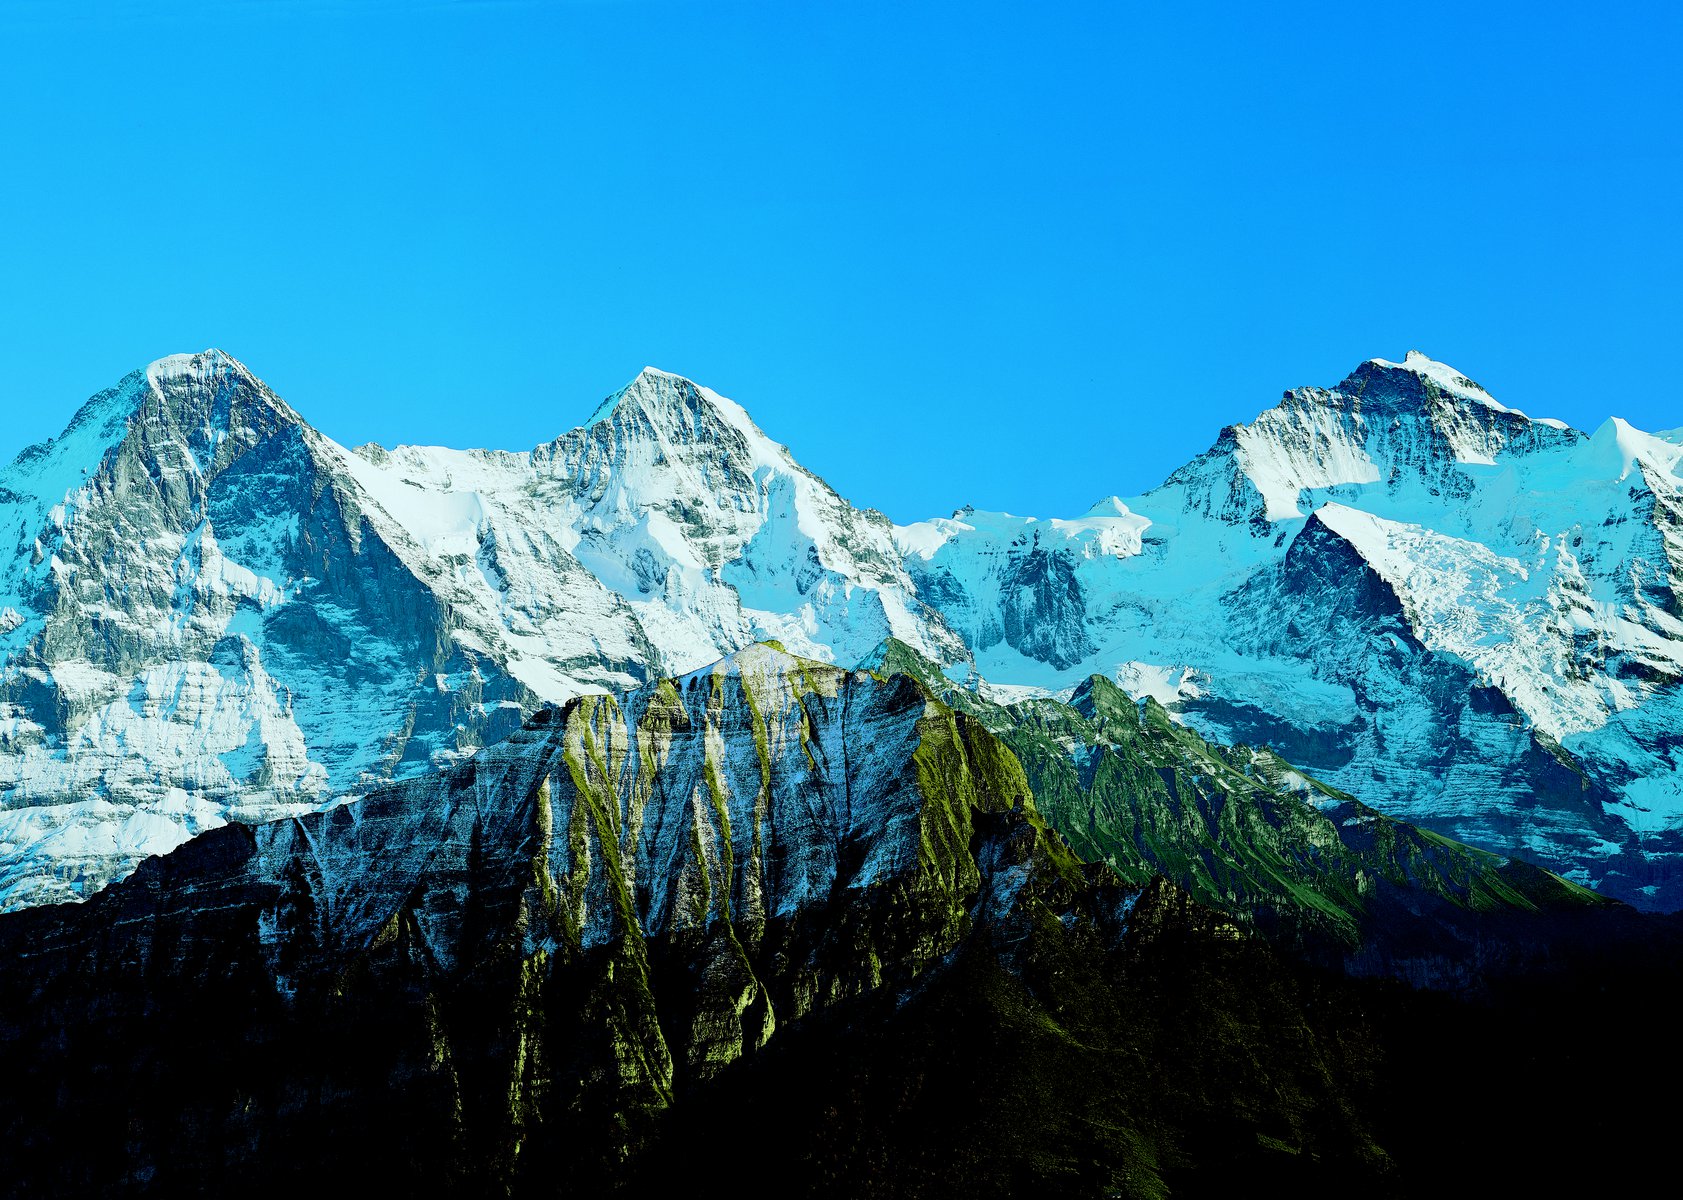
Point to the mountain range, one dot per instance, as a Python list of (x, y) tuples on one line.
[(1462, 617), (636, 813)]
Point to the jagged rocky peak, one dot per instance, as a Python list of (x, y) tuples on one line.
[(1470, 421), (1423, 369), (206, 367), (111, 511), (166, 429), (208, 627), (1416, 386), (678, 413), (1405, 426), (182, 403), (213, 393), (655, 390), (664, 440)]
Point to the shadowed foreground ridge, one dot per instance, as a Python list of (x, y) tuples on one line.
[(813, 913)]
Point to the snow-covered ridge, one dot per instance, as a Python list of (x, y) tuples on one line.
[(1350, 577), (668, 530), (326, 619), (1445, 376), (1108, 528), (210, 610)]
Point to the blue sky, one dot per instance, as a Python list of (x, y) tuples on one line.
[(1015, 255)]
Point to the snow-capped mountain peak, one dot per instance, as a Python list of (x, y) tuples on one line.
[(1443, 375), (651, 384), (1619, 449), (1414, 425), (205, 365), (1435, 386), (1467, 616), (679, 411), (209, 609), (214, 388)]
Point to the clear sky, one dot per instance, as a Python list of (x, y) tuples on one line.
[(1016, 255)]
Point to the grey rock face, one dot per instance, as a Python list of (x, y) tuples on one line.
[(207, 588)]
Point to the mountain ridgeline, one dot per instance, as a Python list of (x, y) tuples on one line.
[(1464, 617), (1248, 834), (540, 953), (635, 814), (819, 904)]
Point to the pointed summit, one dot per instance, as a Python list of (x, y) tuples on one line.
[(649, 388), (179, 415), (1441, 375), (679, 410), (646, 382), (206, 364), (1402, 426), (1618, 449), (1422, 382), (209, 396)]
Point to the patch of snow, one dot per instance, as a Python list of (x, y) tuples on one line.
[(1446, 377), (1165, 684)]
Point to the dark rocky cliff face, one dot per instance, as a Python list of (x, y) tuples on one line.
[(1431, 711)]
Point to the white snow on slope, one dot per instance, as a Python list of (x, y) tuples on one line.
[(1447, 378), (1538, 558), (669, 531), (669, 518)]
